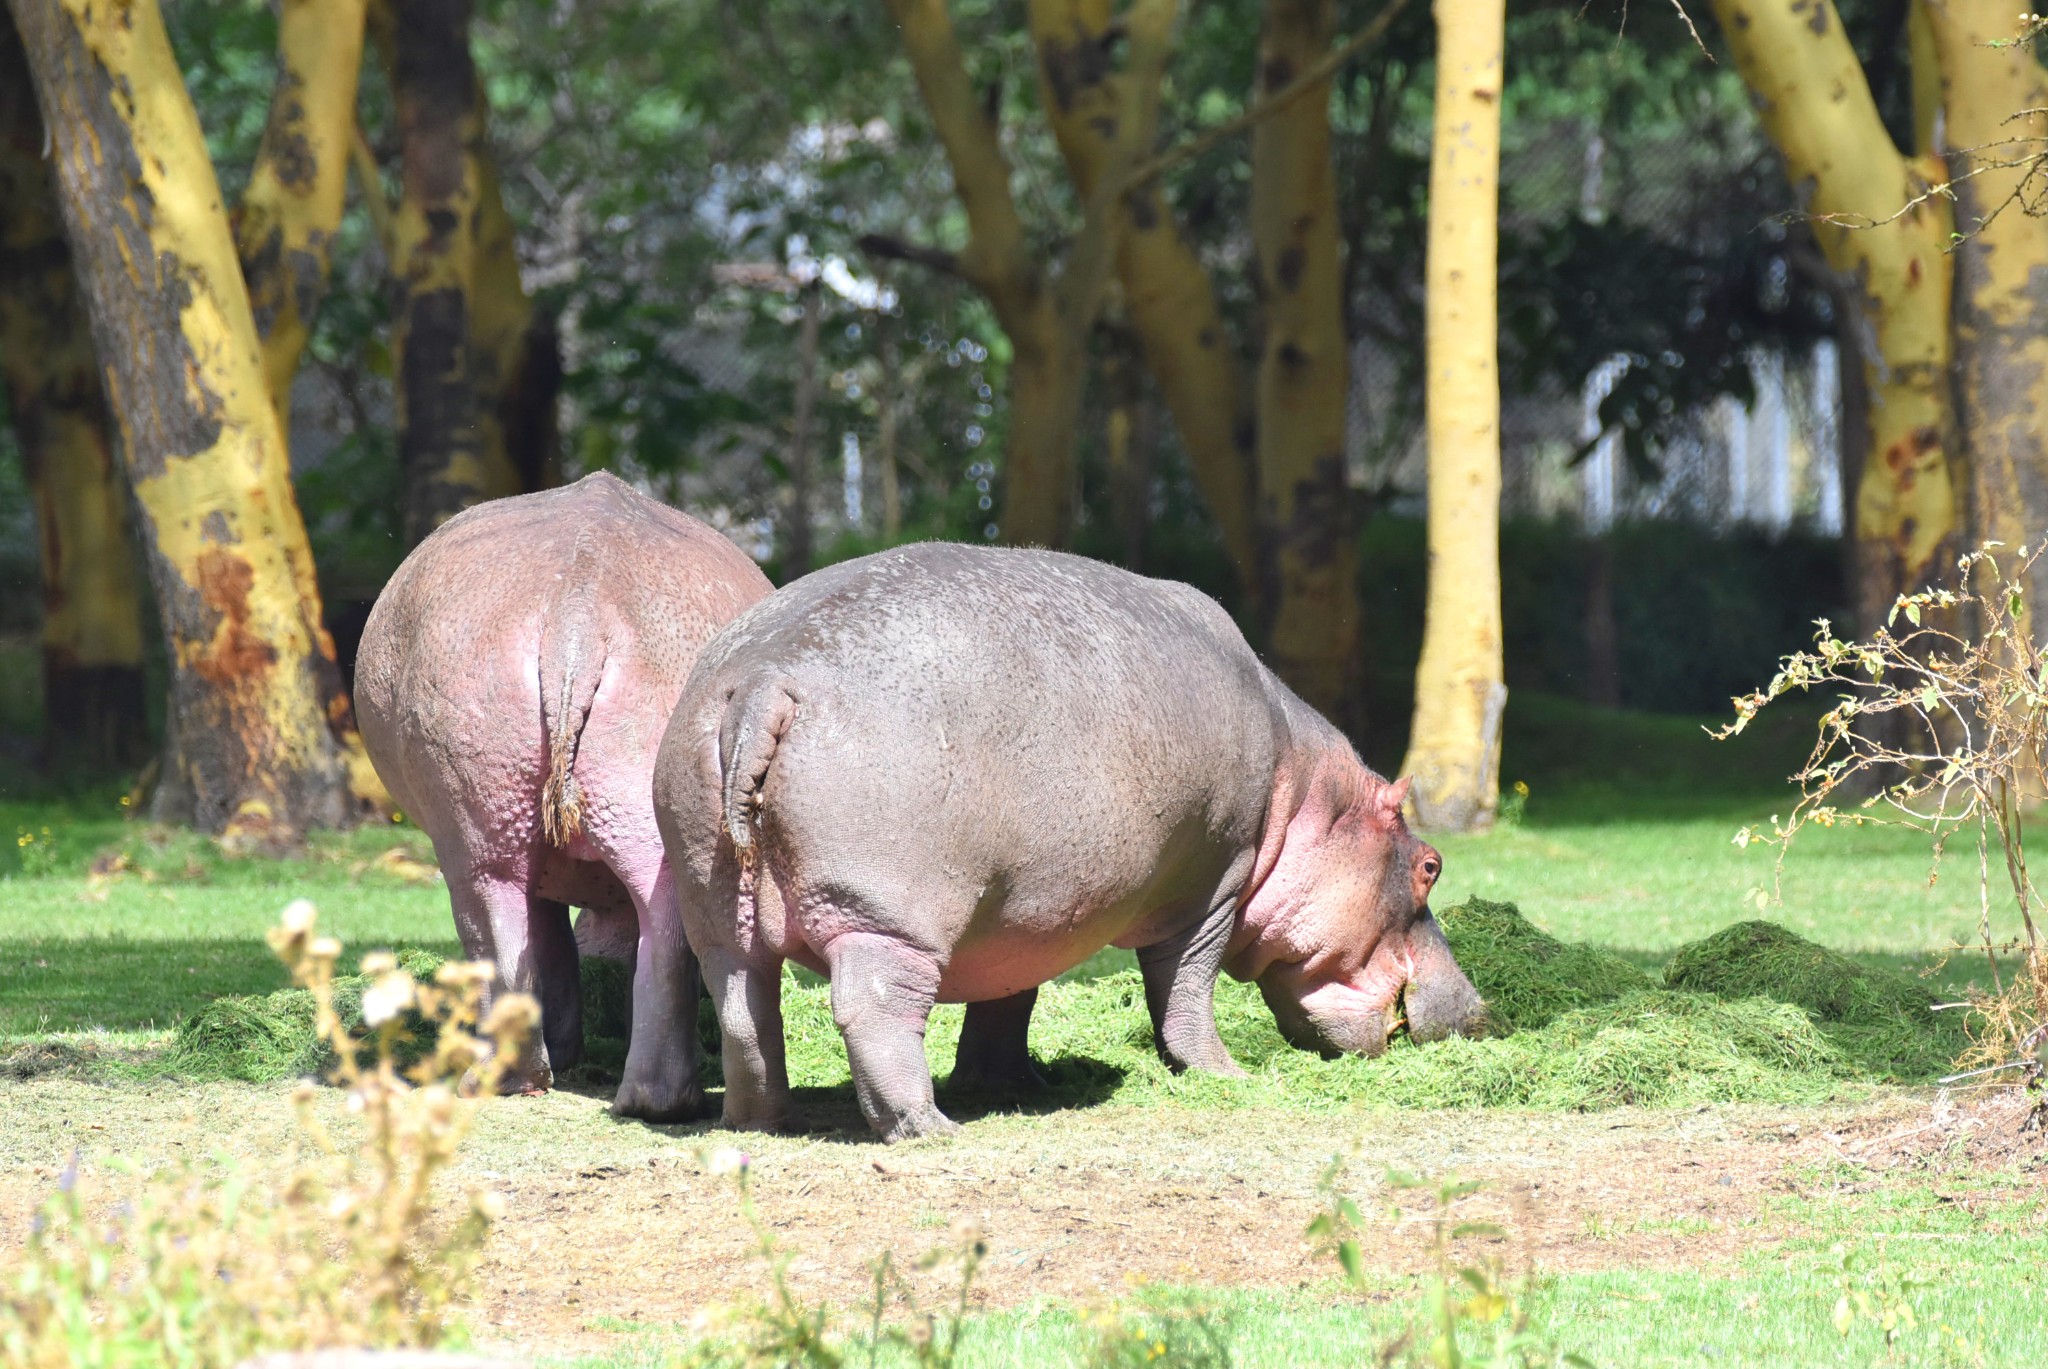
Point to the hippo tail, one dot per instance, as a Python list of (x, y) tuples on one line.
[(754, 723), (571, 666)]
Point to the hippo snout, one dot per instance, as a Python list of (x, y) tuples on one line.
[(1445, 1006), (1330, 1024)]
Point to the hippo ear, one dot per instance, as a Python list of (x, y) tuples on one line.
[(1391, 797)]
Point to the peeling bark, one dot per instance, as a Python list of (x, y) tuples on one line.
[(1817, 108), (1995, 100), (256, 754), (286, 222), (440, 444)]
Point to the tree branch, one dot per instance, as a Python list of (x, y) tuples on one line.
[(886, 248), (1152, 168)]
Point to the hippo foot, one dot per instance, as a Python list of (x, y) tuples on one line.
[(527, 1082), (928, 1121), (663, 1106)]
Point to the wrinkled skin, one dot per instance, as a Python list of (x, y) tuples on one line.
[(949, 773), (512, 687)]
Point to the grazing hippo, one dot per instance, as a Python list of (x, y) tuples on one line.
[(952, 773), (513, 684)]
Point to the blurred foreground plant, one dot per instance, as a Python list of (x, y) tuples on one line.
[(1474, 1315), (206, 1265), (1941, 729), (784, 1331)]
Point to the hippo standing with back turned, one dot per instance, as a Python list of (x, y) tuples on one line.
[(952, 773), (513, 684)]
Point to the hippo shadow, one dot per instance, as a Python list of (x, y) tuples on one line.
[(1071, 1082)]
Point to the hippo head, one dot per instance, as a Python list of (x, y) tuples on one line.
[(1345, 948)]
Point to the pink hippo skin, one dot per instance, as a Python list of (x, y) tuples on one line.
[(949, 773), (513, 684)]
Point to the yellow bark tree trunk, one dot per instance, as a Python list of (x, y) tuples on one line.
[(93, 701), (434, 86), (255, 754), (1047, 318), (1995, 104), (999, 262), (1460, 693), (1817, 108), (1167, 295), (514, 355), (288, 216), (1308, 580)]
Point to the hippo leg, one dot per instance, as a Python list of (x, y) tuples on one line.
[(500, 914), (995, 1052), (748, 997), (882, 995), (1180, 989), (557, 966), (660, 1082)]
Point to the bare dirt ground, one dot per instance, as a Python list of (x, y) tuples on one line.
[(612, 1222)]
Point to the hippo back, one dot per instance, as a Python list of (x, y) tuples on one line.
[(522, 622), (1025, 733)]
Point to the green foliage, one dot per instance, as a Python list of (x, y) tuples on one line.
[(1883, 1022), (1527, 977), (1699, 617)]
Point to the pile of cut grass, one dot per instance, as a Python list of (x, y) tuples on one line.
[(1884, 1024), (1529, 978), (1752, 1015), (260, 1040), (1646, 1048)]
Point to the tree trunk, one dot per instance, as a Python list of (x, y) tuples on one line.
[(514, 355), (256, 755), (1460, 693), (1047, 320), (93, 709), (441, 447), (1129, 438), (803, 437), (889, 405), (1816, 106), (1307, 579), (1167, 295), (1996, 103), (286, 222)]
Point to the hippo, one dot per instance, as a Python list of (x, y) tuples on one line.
[(513, 683), (951, 773)]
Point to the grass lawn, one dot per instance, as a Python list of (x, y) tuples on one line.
[(1204, 1190)]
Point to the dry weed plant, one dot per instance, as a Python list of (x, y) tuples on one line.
[(1942, 729), (206, 1265), (1475, 1313), (783, 1331)]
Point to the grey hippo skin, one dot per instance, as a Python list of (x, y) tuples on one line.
[(949, 773), (513, 684)]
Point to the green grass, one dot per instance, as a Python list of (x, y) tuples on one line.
[(1610, 890)]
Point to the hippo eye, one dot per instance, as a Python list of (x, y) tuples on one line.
[(1431, 867)]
